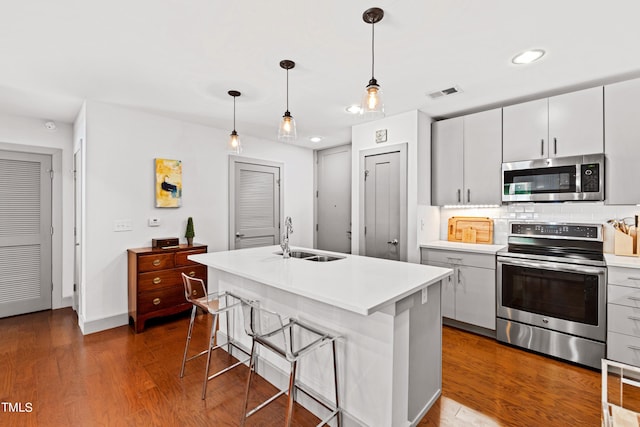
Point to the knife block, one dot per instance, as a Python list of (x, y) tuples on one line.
[(625, 244)]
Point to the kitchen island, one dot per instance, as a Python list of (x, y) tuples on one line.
[(387, 313)]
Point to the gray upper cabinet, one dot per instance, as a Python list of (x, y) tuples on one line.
[(563, 125), (466, 159), (622, 134)]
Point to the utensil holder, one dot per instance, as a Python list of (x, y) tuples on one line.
[(625, 244)]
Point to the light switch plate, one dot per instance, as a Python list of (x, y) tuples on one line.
[(381, 135), (122, 225)]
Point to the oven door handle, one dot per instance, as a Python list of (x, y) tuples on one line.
[(547, 265)]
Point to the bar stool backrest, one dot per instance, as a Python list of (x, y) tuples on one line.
[(191, 284), (267, 327)]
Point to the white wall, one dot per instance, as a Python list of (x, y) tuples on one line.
[(29, 135), (411, 128), (121, 145)]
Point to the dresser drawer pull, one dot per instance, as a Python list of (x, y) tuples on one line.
[(194, 292), (633, 318), (156, 262), (192, 274), (633, 347), (156, 301), (156, 280)]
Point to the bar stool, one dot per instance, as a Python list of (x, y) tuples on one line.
[(270, 330), (210, 303)]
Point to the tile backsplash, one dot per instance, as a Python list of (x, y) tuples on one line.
[(582, 212)]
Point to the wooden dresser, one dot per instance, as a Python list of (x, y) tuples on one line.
[(155, 281)]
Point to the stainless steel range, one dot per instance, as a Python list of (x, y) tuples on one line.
[(551, 290)]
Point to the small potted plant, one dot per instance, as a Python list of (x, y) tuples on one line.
[(189, 234)]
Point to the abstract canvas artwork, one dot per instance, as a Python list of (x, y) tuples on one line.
[(168, 183)]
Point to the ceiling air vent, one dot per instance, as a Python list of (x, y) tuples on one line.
[(444, 92)]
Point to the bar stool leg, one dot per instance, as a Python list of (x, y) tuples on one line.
[(252, 362), (212, 338), (292, 384), (186, 346), (335, 381)]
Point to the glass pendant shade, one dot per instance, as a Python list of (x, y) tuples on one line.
[(287, 129), (372, 104), (234, 146)]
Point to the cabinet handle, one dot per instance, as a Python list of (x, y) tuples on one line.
[(156, 262), (453, 260), (542, 147), (156, 301), (156, 280), (192, 274), (468, 195), (458, 195), (633, 318), (633, 347), (555, 145), (458, 276)]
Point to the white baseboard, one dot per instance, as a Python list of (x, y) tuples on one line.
[(92, 326)]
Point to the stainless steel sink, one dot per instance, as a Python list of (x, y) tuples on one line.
[(311, 256), (323, 258)]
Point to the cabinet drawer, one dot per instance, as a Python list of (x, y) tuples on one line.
[(155, 262), (623, 348), (459, 258), (623, 295), (159, 279), (624, 320), (166, 278), (181, 257), (624, 276), (160, 299)]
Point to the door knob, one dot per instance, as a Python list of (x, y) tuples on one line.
[(239, 235), (393, 242)]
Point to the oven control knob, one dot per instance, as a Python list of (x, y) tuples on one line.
[(545, 320)]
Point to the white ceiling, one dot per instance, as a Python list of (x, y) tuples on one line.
[(179, 58)]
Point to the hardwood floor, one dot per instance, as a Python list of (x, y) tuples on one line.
[(117, 377)]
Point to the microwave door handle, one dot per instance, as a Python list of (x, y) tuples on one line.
[(546, 265)]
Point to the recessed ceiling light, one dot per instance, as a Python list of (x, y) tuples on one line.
[(528, 56), (50, 125), (315, 138), (353, 109)]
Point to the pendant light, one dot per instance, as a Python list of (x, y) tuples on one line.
[(287, 128), (372, 106), (233, 146)]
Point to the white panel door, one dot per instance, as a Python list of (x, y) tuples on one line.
[(382, 206), (333, 199), (256, 208), (25, 233)]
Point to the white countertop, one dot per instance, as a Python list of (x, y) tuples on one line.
[(359, 284), (466, 247), (622, 261)]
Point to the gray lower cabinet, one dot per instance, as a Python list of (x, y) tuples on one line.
[(623, 315), (469, 295)]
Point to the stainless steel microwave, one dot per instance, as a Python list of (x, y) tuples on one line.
[(554, 179)]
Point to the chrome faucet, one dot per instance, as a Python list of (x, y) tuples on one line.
[(286, 251)]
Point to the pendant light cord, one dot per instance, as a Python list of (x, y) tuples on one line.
[(287, 89), (234, 113), (373, 54)]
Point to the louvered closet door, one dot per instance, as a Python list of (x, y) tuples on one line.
[(25, 233), (257, 205)]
